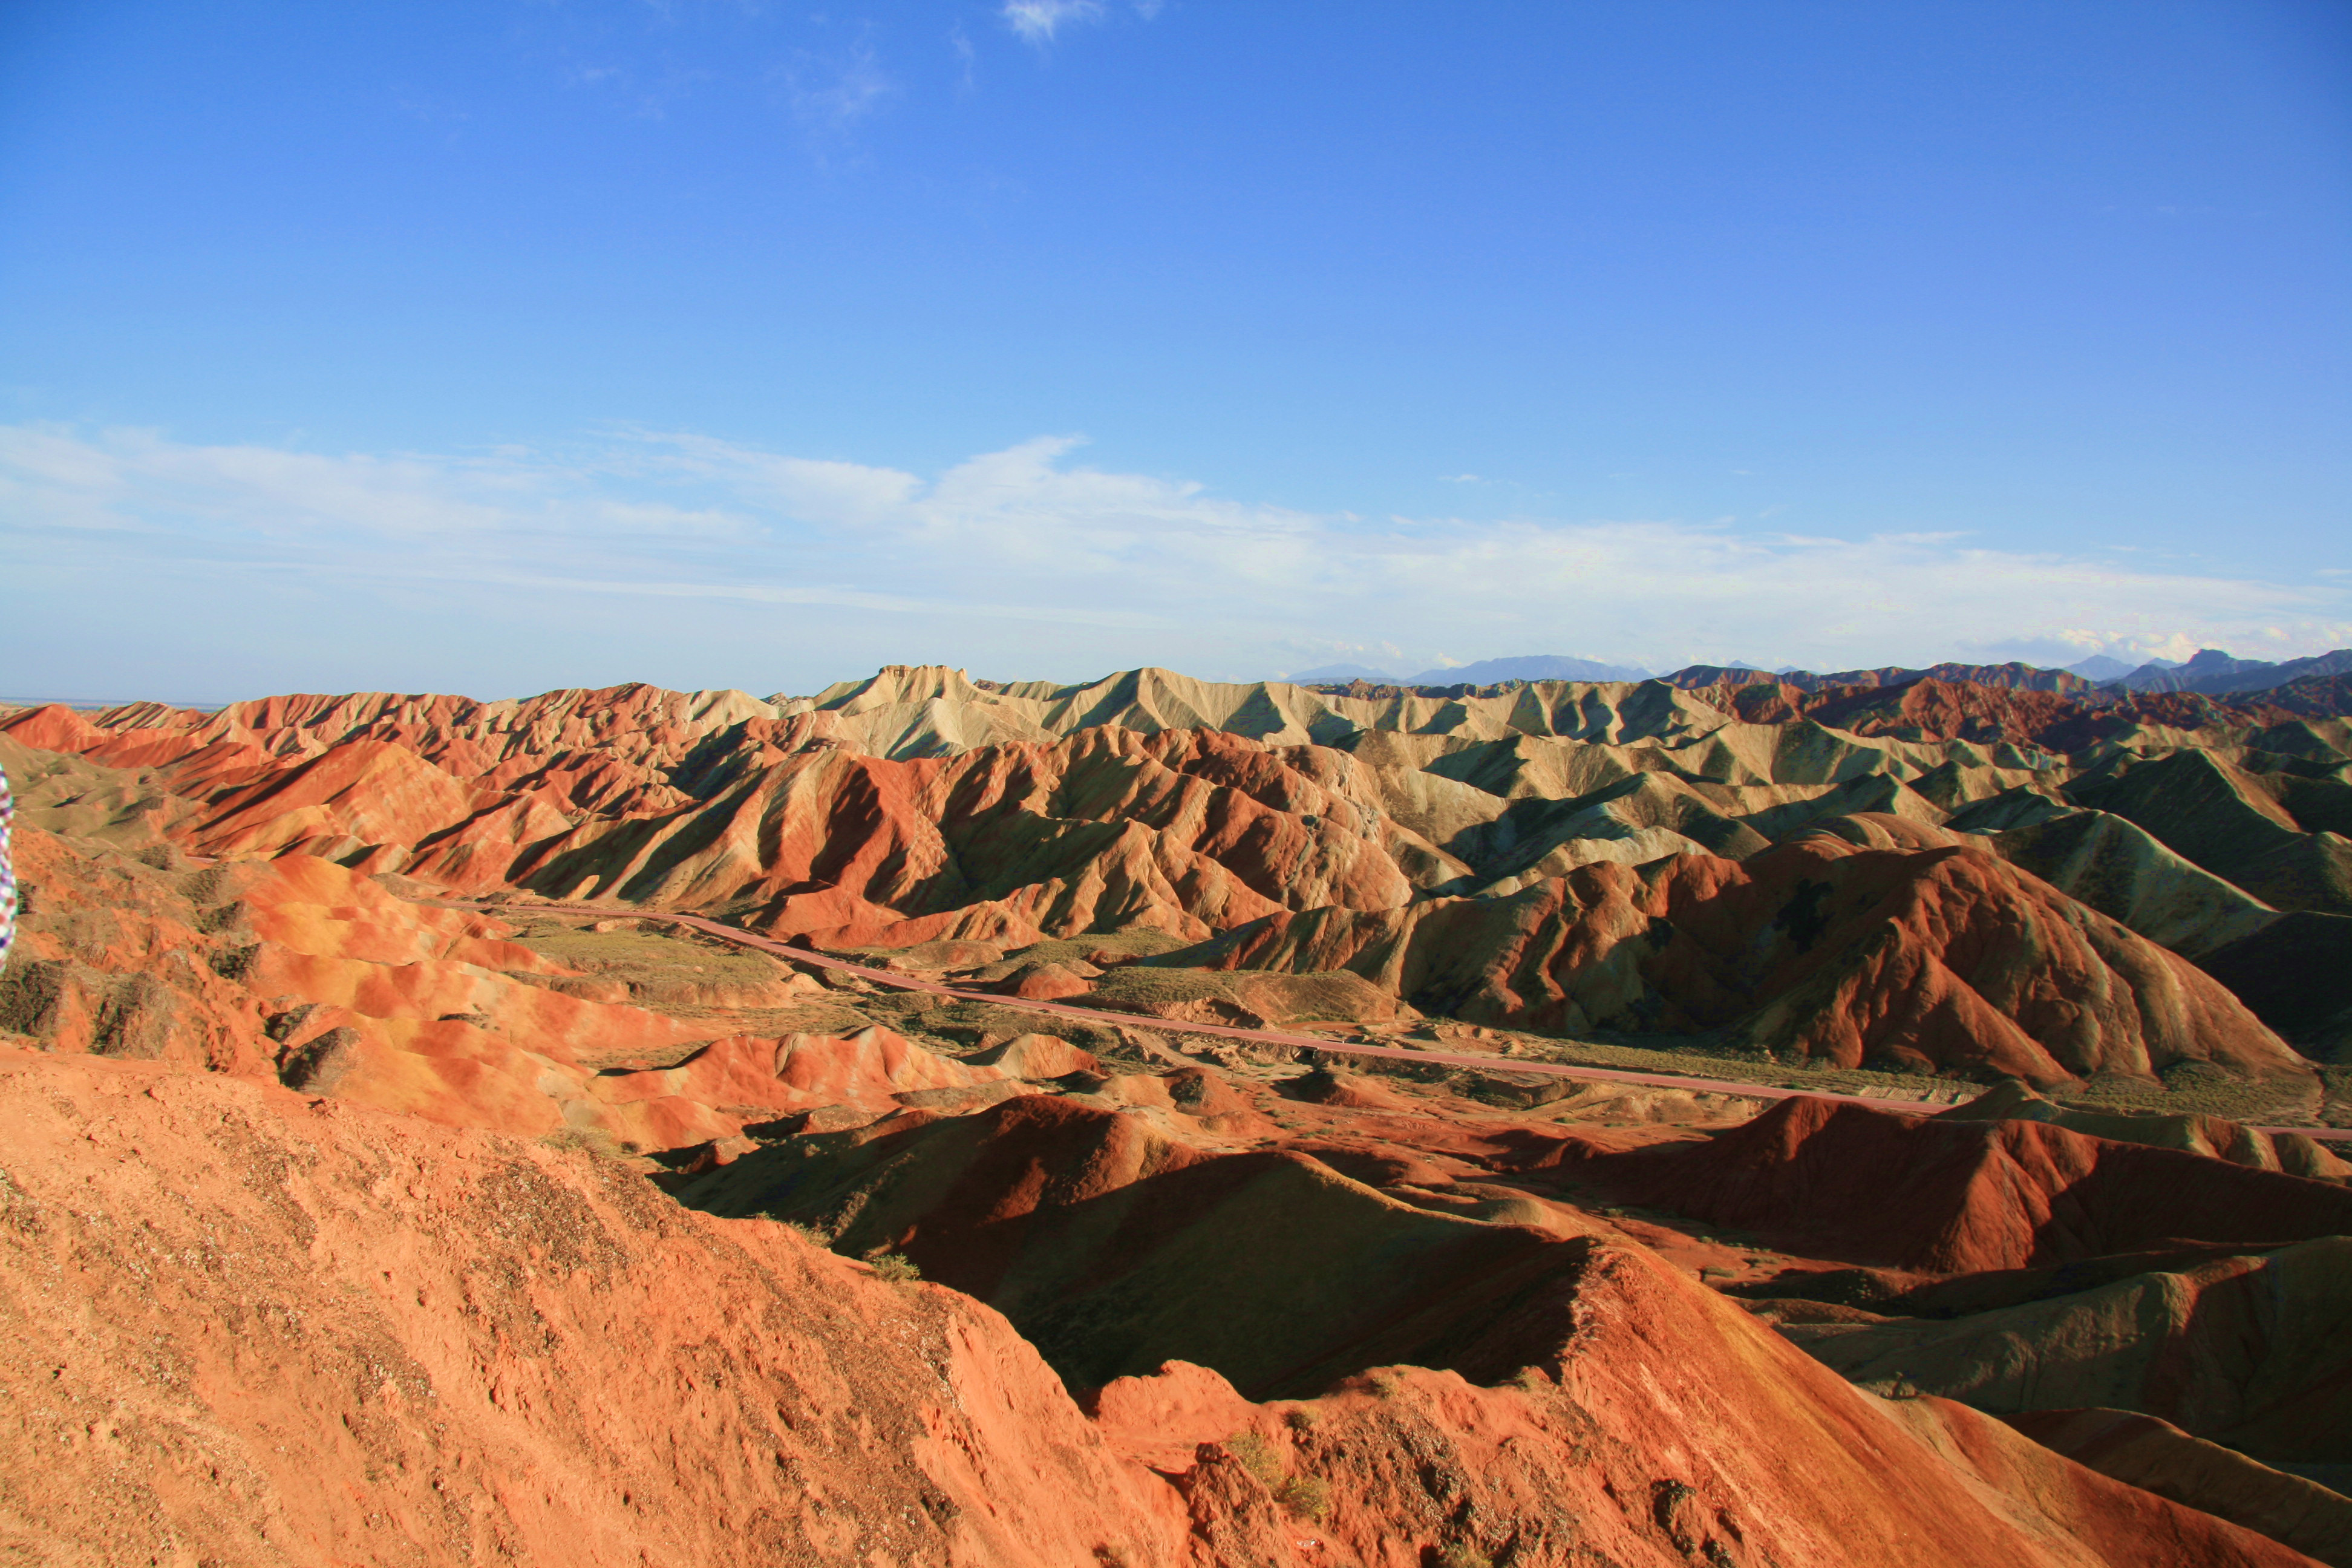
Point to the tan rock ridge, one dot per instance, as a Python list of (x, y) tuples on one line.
[(2145, 1452), (2246, 1351), (2213, 1136)]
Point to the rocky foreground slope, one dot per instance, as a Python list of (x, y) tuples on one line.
[(379, 1186), (247, 1326)]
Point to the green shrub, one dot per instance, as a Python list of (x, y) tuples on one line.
[(589, 1140), (895, 1266), (1257, 1454), (1308, 1497), (1462, 1554)]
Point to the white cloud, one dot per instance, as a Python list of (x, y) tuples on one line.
[(1038, 20), (654, 551), (831, 93), (967, 59)]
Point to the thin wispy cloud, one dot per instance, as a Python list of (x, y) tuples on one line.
[(832, 93), (644, 88), (967, 59), (1019, 562), (1038, 20)]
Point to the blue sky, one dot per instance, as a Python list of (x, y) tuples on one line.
[(507, 345)]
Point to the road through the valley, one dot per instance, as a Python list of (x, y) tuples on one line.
[(1223, 1031)]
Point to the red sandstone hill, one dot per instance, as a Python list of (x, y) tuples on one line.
[(1184, 831), (223, 1294), (1924, 708), (1957, 706), (1115, 1244), (301, 971), (332, 1335), (1939, 958), (772, 816), (1943, 1197), (244, 1326)]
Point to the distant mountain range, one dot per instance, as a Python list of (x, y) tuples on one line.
[(2100, 667), (2215, 673), (1486, 672), (1556, 667), (2022, 676), (2211, 673)]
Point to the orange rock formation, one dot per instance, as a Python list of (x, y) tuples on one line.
[(360, 1208), (380, 1340)]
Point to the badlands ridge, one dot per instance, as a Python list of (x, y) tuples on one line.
[(389, 1181)]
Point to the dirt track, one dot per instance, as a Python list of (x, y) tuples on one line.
[(1260, 1036)]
